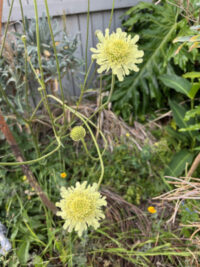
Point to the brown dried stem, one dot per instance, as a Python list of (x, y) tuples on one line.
[(25, 168)]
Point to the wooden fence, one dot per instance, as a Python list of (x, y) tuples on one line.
[(76, 21)]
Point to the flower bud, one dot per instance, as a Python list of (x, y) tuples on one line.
[(77, 133)]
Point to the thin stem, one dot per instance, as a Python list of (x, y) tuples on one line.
[(26, 58), (6, 29), (44, 93), (87, 35), (100, 103), (56, 56), (87, 151), (84, 84), (108, 100), (31, 161), (111, 14), (80, 116)]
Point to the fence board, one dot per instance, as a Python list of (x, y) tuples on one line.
[(76, 23), (57, 7)]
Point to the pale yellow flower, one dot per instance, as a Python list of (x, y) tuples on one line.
[(118, 52), (77, 133), (81, 206), (127, 134)]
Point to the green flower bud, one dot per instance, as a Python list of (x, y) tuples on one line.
[(77, 133), (23, 38)]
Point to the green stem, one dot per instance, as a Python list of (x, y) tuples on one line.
[(84, 84), (56, 57), (6, 29), (87, 35), (41, 70), (34, 160), (111, 15), (108, 100), (80, 116), (26, 58), (87, 151)]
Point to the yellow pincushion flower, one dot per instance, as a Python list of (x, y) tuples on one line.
[(81, 206), (77, 133), (118, 52)]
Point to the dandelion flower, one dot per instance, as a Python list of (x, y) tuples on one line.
[(118, 52), (63, 175), (81, 206), (152, 210), (77, 133)]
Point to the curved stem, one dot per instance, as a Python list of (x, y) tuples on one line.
[(87, 151), (77, 114), (31, 161)]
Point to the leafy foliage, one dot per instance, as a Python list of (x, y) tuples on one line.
[(12, 65), (157, 26)]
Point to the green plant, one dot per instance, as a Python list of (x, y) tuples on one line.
[(157, 26)]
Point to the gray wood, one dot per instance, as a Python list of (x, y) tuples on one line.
[(76, 24), (57, 7)]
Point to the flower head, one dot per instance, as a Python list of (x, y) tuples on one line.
[(63, 175), (81, 206), (24, 178), (77, 133), (117, 51), (151, 209)]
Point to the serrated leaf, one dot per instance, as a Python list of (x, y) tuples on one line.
[(177, 83), (195, 127), (178, 163), (192, 75), (192, 113)]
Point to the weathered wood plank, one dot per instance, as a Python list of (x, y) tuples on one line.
[(57, 7)]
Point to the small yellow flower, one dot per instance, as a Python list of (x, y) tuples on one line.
[(127, 134), (81, 206), (118, 52), (24, 178), (152, 210), (77, 133), (63, 175)]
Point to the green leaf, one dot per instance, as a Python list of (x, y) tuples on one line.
[(194, 89), (178, 163), (195, 127), (179, 112), (179, 84), (38, 262), (192, 113), (192, 75), (23, 252)]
